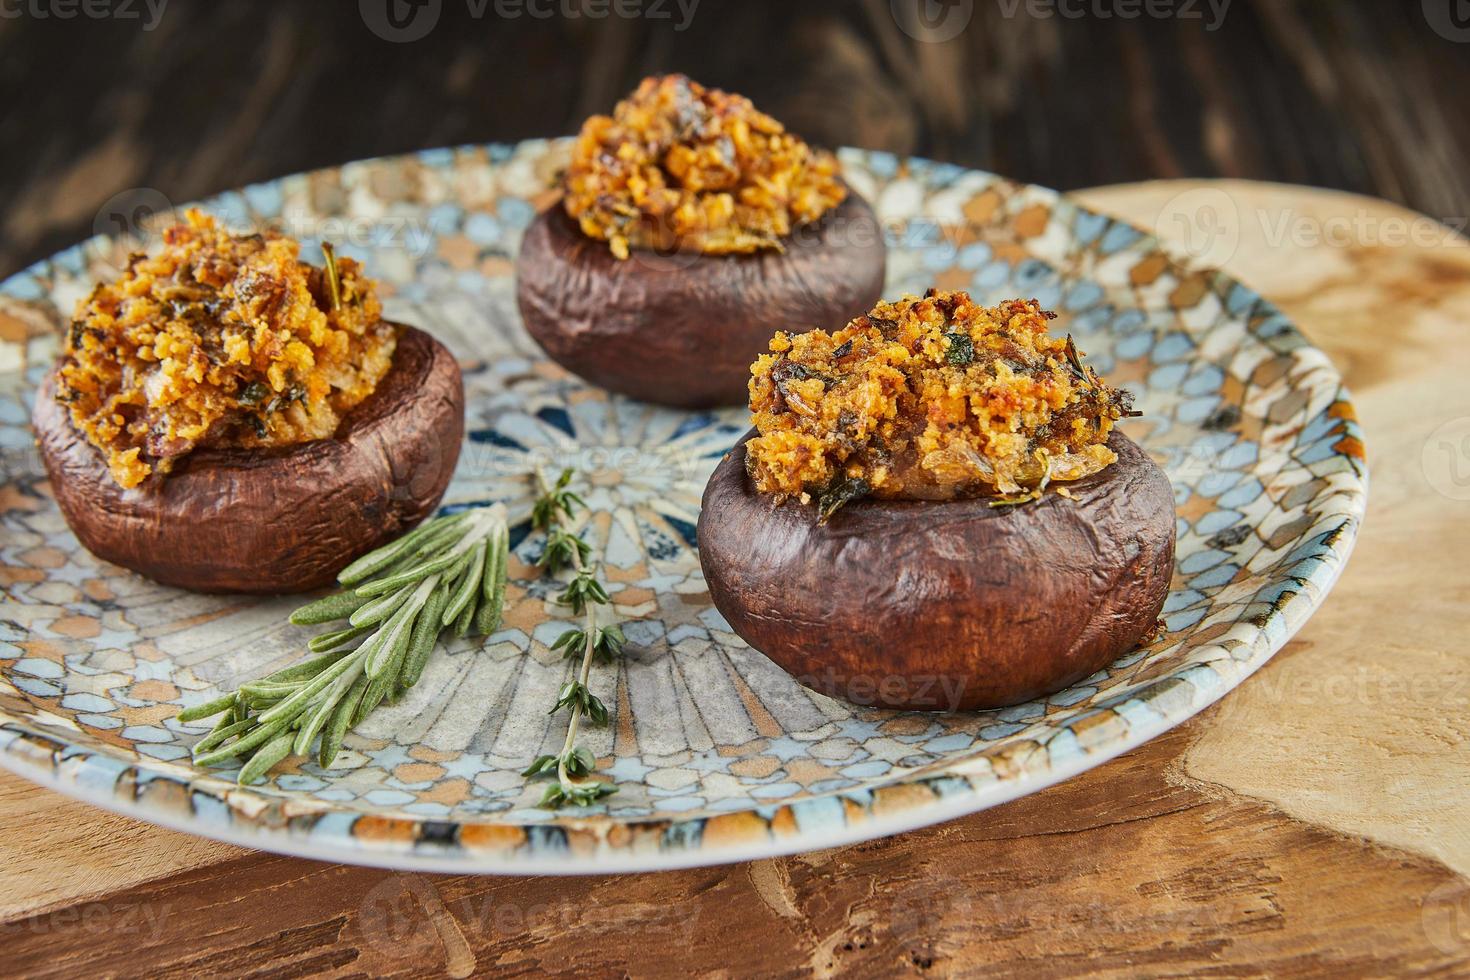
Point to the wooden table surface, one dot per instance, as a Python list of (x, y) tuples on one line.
[(1235, 844)]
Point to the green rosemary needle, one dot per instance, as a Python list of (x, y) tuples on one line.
[(395, 602), (564, 550)]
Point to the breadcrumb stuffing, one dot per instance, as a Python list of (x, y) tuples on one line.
[(925, 399), (219, 340), (680, 166)]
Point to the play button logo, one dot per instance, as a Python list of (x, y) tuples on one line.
[(400, 21)]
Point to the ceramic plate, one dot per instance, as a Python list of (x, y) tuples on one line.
[(718, 755)]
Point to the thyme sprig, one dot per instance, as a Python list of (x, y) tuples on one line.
[(1119, 400), (1035, 493), (564, 551), (449, 573), (334, 279), (838, 494)]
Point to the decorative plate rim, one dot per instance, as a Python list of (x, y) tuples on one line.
[(569, 845), (417, 857)]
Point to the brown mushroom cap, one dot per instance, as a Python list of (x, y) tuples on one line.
[(683, 329), (948, 605), (273, 520)]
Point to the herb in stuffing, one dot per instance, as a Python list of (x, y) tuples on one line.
[(928, 398), (220, 340)]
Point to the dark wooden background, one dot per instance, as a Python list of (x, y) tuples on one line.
[(1362, 95)]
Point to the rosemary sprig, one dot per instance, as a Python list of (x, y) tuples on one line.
[(565, 550), (448, 572)]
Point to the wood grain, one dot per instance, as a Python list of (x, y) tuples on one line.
[(1360, 95), (1118, 872), (1284, 833), (57, 851)]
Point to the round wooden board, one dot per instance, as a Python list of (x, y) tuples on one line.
[(1227, 845)]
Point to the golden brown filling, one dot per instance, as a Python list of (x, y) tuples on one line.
[(928, 399), (680, 166), (220, 340)]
